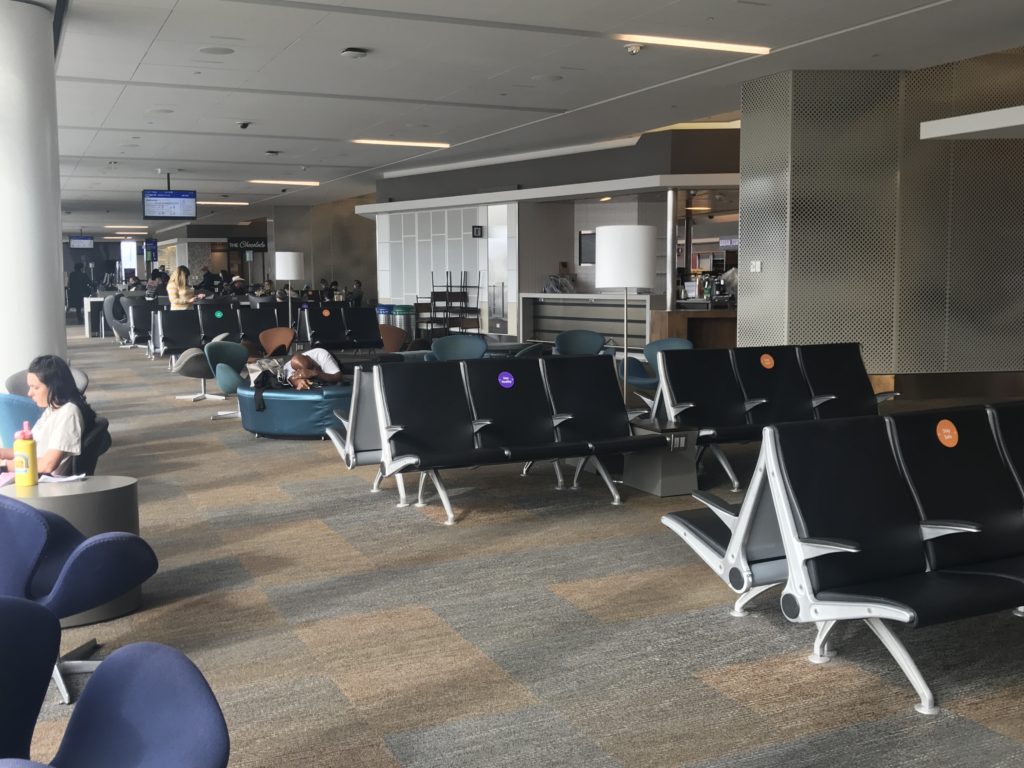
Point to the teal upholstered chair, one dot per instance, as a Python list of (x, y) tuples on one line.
[(579, 342), (226, 359), (461, 346), (15, 410)]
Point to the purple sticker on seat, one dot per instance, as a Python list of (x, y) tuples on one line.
[(506, 380)]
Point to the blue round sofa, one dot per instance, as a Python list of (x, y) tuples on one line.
[(294, 413)]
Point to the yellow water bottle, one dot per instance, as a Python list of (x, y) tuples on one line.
[(26, 472)]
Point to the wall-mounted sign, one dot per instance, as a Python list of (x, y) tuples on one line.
[(247, 244), (478, 230), (80, 241), (150, 250), (728, 242)]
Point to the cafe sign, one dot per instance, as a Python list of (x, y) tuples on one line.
[(247, 244)]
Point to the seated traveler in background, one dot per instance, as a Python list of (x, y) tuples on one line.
[(58, 432), (134, 284), (314, 366), (207, 280), (355, 294), (156, 285), (78, 288), (180, 293), (239, 287)]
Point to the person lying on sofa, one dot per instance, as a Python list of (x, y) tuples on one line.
[(314, 366)]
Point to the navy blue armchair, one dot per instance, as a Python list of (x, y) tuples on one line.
[(29, 644), (147, 705), (45, 559)]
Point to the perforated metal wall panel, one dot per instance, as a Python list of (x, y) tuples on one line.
[(843, 212), (866, 233), (764, 210), (961, 300)]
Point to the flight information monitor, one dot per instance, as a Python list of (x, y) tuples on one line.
[(168, 204)]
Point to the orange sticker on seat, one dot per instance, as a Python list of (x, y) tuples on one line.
[(945, 430), (767, 361), (327, 313)]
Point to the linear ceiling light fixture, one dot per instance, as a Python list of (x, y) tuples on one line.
[(680, 42), (286, 182), (391, 143), (697, 208), (220, 202), (126, 226)]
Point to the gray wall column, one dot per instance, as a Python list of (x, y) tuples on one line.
[(32, 314), (865, 233)]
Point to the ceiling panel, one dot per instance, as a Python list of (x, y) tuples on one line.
[(491, 78)]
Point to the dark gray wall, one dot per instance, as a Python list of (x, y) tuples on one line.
[(665, 152)]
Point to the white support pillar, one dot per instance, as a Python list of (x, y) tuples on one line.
[(670, 249), (32, 313)]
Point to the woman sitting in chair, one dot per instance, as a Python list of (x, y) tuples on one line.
[(68, 417)]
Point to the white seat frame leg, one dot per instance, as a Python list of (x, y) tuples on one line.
[(899, 653), (74, 663), (822, 653)]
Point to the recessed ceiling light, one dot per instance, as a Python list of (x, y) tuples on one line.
[(244, 223), (272, 152), (160, 111), (547, 78), (131, 146), (114, 237), (126, 226), (697, 208), (354, 53), (130, 233), (680, 42), (392, 143), (286, 182), (217, 51), (604, 200), (220, 202)]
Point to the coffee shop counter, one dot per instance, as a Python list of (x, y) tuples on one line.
[(706, 328)]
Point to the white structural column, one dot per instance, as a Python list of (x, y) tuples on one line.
[(32, 309)]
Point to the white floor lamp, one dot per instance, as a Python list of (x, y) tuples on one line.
[(624, 259), (288, 266)]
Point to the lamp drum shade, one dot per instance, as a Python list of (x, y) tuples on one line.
[(288, 265), (625, 256)]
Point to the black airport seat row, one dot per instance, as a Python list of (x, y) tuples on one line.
[(445, 415), (729, 394), (916, 518), (333, 325)]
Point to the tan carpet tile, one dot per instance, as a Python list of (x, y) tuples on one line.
[(408, 668), (998, 711), (640, 594)]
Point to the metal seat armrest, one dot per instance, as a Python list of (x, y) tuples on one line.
[(934, 529), (821, 399), (717, 504), (636, 413), (678, 408), (881, 397), (342, 419), (812, 548), (393, 430), (749, 405), (559, 418), (479, 424)]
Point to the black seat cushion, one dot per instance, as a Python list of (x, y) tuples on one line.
[(773, 374), (541, 451), (627, 444), (510, 394), (326, 327), (429, 402), (216, 319), (722, 434), (362, 328), (179, 330), (838, 370), (1008, 567), (252, 321), (967, 481), (586, 388), (936, 596), (706, 378), (846, 483), (705, 525)]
